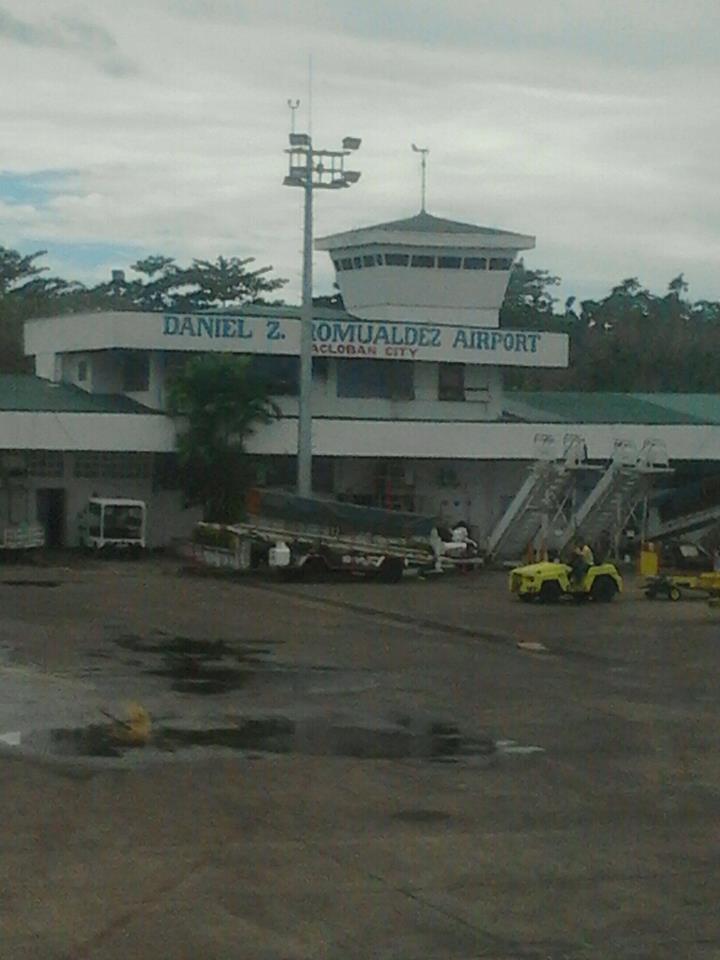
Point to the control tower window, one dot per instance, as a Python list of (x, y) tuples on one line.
[(397, 259), (347, 263), (451, 381), (378, 259), (500, 263), (357, 263), (338, 265), (475, 263), (422, 261), (450, 263), (369, 261)]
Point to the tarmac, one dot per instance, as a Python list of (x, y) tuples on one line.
[(338, 770)]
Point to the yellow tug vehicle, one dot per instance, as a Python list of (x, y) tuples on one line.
[(549, 582)]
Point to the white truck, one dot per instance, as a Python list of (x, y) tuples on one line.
[(114, 524)]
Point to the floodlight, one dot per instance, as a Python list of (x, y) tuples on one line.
[(351, 143), (351, 176), (293, 182), (299, 140)]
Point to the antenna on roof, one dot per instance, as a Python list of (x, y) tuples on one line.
[(423, 151)]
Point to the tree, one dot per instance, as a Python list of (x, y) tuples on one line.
[(24, 294), (224, 282), (221, 401), (529, 302)]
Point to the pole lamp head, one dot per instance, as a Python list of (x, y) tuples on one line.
[(351, 176), (351, 143), (299, 140)]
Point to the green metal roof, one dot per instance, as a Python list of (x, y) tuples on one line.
[(640, 408), (26, 393)]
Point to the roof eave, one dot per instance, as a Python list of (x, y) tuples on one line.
[(425, 239)]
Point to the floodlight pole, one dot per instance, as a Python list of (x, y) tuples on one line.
[(310, 175)]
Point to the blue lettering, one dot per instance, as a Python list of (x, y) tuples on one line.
[(396, 337), (205, 326), (509, 341), (187, 327), (435, 341), (482, 340), (534, 338), (323, 332), (170, 324), (521, 343), (365, 333), (411, 336), (382, 335), (228, 327), (273, 330), (343, 332), (495, 338), (461, 339), (242, 333)]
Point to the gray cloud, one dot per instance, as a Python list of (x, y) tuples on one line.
[(71, 34), (590, 125)]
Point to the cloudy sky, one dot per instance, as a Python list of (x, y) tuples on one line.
[(130, 127)]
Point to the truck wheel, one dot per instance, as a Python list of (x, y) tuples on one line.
[(314, 569), (603, 590), (550, 592), (391, 570)]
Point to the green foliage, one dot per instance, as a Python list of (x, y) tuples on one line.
[(221, 401), (631, 340), (159, 284)]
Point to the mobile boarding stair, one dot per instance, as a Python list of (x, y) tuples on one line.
[(541, 499), (624, 484), (687, 523)]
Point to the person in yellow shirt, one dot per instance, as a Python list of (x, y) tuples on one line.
[(587, 554)]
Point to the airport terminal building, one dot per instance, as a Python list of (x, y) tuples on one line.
[(409, 408)]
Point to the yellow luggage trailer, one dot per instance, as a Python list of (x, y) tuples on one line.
[(675, 586)]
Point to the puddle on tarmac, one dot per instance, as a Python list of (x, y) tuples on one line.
[(210, 667), (30, 583), (272, 735)]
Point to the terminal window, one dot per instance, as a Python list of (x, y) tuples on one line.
[(397, 259), (475, 263), (136, 371), (450, 263), (282, 374), (375, 379), (422, 261), (500, 263), (451, 381)]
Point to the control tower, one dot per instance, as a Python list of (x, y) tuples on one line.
[(425, 269)]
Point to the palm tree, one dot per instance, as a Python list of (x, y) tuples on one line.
[(221, 401)]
